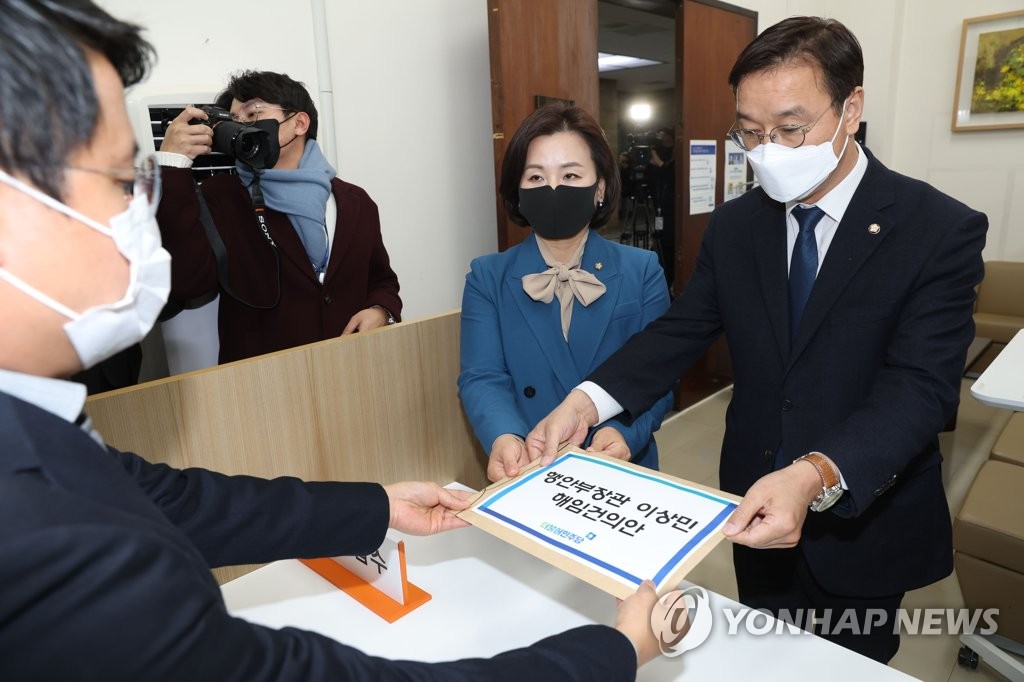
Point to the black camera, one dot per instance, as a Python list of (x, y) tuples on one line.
[(636, 166), (252, 144), (639, 154), (640, 145)]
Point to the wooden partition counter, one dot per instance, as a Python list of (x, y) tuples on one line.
[(375, 406)]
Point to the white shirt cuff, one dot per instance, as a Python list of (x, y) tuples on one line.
[(173, 160), (607, 406)]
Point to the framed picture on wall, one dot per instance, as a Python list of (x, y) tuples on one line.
[(990, 77)]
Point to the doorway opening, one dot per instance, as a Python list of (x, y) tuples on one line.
[(638, 108)]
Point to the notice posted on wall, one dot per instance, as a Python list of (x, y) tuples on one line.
[(703, 163), (608, 522)]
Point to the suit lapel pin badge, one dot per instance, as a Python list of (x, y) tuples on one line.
[(598, 265), (874, 228)]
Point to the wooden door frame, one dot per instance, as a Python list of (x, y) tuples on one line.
[(713, 371), (519, 76)]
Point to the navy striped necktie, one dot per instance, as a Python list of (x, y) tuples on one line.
[(803, 266)]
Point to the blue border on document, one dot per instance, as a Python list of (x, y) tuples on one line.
[(665, 570)]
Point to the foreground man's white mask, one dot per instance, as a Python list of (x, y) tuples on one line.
[(103, 330), (788, 173)]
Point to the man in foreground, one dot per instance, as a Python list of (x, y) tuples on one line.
[(105, 557)]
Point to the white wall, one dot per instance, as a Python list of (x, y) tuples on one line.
[(984, 169), (413, 101), (411, 84), (199, 44), (911, 49)]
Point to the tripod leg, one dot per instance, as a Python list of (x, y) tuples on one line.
[(627, 222)]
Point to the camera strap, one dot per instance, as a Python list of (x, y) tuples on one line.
[(260, 206), (220, 251)]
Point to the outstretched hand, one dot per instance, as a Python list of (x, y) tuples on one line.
[(424, 508), (772, 512), (508, 457), (640, 610), (570, 421), (610, 441)]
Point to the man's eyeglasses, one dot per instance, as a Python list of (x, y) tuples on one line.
[(788, 135), (251, 112), (143, 180)]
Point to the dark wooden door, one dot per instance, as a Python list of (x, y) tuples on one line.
[(540, 49), (709, 37)]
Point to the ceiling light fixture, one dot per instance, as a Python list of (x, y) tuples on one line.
[(615, 62), (640, 112)]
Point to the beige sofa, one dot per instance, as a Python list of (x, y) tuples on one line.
[(1009, 447), (999, 312), (988, 543), (988, 538)]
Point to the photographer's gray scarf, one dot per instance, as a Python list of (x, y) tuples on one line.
[(302, 195)]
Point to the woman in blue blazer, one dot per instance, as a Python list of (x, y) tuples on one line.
[(537, 318)]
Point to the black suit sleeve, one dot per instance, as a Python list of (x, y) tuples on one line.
[(651, 361), (102, 595), (918, 388), (243, 519)]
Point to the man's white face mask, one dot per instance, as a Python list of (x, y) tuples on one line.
[(103, 330), (789, 173)]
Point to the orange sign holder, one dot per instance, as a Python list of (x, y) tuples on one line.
[(368, 595)]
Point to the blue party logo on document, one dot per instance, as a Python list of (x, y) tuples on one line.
[(564, 534)]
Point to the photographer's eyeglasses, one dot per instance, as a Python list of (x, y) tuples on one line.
[(250, 112), (788, 135), (143, 180)]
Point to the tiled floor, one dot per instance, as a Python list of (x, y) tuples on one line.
[(689, 443)]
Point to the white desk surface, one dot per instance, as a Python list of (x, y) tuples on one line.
[(1002, 384), (489, 597)]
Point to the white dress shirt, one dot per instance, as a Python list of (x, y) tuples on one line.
[(64, 399)]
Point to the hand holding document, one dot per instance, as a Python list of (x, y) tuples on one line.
[(422, 508), (608, 522)]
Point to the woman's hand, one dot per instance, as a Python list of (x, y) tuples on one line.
[(508, 457), (608, 441)]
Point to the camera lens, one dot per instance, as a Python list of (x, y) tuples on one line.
[(250, 145), (247, 147)]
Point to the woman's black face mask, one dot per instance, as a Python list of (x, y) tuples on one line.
[(558, 213)]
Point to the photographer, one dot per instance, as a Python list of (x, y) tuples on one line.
[(314, 267)]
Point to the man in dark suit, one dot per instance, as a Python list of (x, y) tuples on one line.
[(845, 291), (104, 557)]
